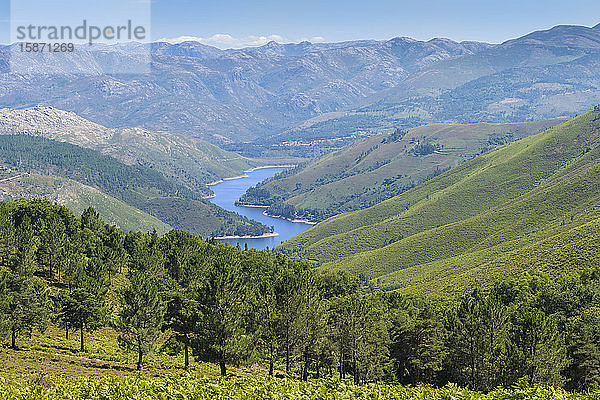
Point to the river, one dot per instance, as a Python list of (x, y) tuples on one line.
[(227, 192)]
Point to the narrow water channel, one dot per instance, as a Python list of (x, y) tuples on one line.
[(227, 192)]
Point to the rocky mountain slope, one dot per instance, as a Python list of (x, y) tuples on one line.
[(190, 161), (353, 87)]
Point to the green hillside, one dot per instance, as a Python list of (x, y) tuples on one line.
[(78, 197), (380, 167), (139, 186), (529, 204), (189, 161), (88, 311)]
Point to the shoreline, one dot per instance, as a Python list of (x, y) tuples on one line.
[(295, 220), (251, 205), (264, 235), (271, 166), (248, 171)]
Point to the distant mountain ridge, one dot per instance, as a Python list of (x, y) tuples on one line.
[(273, 92)]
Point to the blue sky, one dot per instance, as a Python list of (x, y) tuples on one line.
[(243, 22)]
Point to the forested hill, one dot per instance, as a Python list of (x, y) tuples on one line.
[(375, 169), (79, 297), (530, 204), (189, 161), (137, 185), (77, 197)]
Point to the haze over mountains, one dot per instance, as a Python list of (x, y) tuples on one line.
[(353, 88)]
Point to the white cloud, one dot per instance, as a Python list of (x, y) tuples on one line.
[(226, 41)]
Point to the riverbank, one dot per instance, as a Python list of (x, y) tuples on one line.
[(295, 220), (226, 179), (251, 205), (228, 192), (244, 175), (264, 235), (271, 166)]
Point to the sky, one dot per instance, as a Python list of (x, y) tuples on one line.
[(239, 23)]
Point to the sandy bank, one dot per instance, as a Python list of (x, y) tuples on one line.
[(265, 235), (247, 171), (296, 220)]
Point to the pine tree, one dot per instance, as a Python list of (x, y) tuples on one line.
[(142, 314), (182, 316), (584, 349), (222, 301)]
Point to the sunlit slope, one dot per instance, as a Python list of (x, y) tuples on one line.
[(375, 169), (496, 203), (77, 197), (189, 161)]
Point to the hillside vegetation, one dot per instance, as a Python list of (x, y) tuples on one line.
[(529, 204), (189, 161), (375, 169), (260, 388), (138, 186), (78, 197), (80, 298)]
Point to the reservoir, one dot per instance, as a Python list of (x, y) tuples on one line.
[(227, 192)]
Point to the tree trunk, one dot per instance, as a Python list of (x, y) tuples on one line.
[(222, 366), (355, 367), (318, 368), (271, 358), (305, 369), (287, 352), (187, 356), (13, 342), (67, 330), (342, 375), (140, 355), (81, 337)]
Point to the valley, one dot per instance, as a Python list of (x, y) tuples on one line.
[(163, 178), (228, 192), (488, 218), (355, 217), (375, 169)]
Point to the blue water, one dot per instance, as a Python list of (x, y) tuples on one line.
[(227, 192)]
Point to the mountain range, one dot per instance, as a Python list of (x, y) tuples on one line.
[(279, 93)]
